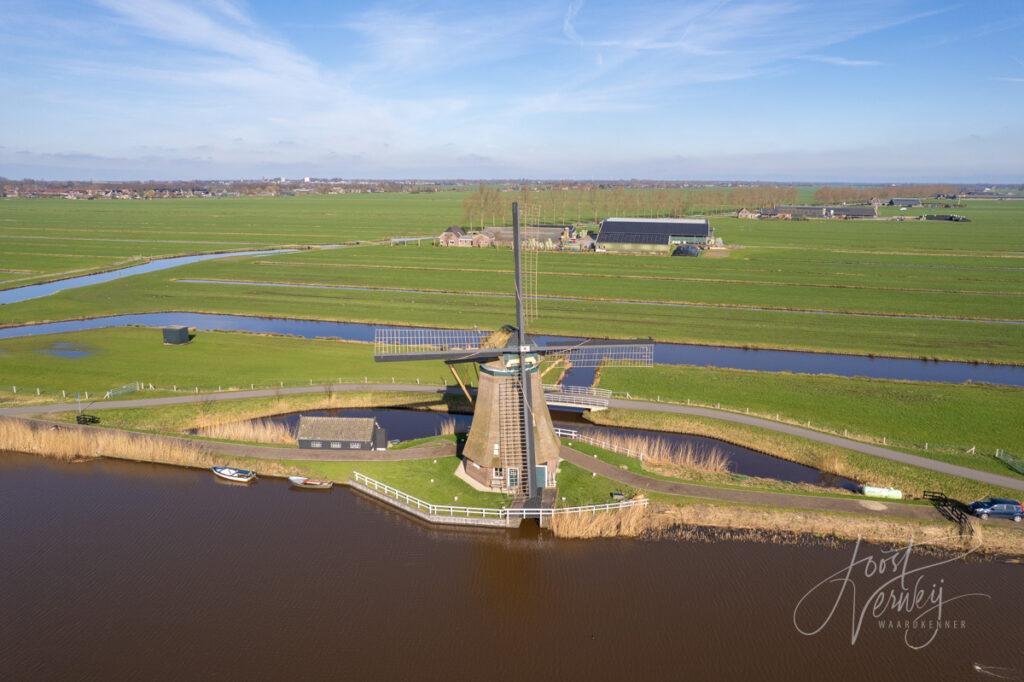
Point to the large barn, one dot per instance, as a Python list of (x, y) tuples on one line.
[(653, 235)]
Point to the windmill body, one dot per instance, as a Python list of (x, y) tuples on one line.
[(512, 446)]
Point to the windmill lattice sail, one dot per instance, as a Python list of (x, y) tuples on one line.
[(608, 355), (400, 341)]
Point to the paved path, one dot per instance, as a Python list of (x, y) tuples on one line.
[(874, 450), (857, 505)]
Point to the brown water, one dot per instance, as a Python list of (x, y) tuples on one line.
[(112, 570)]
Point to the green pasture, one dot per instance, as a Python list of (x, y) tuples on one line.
[(115, 357), (950, 418), (52, 238)]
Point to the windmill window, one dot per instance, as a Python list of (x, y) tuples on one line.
[(498, 472)]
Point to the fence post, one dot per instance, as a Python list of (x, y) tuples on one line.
[(63, 394), (14, 389), (37, 390)]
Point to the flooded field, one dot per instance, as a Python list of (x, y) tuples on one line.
[(118, 570)]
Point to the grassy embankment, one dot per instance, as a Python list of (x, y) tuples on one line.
[(950, 418), (53, 238)]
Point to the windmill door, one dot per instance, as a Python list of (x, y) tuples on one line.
[(542, 476)]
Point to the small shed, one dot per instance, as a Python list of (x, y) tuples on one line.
[(341, 433), (176, 335)]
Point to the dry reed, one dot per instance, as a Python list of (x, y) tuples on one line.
[(70, 443), (257, 431), (448, 428), (628, 522), (663, 453)]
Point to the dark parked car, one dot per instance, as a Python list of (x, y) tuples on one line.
[(87, 419), (998, 506)]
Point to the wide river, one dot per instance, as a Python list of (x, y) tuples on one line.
[(113, 570)]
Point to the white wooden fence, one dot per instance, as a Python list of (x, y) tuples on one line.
[(486, 512)]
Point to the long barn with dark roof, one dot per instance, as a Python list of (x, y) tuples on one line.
[(657, 235)]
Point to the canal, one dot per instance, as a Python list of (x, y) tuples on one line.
[(664, 353), (116, 570)]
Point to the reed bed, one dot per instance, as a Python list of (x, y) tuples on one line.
[(70, 443), (662, 453), (257, 431), (448, 428), (628, 522)]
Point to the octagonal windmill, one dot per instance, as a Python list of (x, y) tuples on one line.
[(512, 446)]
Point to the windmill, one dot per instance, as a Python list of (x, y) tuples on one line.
[(512, 446)]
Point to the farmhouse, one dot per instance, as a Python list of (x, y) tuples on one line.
[(909, 203), (341, 433), (748, 214), (451, 237), (653, 235)]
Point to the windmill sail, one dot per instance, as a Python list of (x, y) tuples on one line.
[(393, 343), (610, 354)]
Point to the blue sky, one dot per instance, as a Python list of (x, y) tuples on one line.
[(887, 90)]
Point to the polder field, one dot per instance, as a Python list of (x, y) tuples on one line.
[(43, 239), (912, 289), (863, 287)]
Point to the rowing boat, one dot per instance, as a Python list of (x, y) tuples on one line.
[(236, 475), (310, 483)]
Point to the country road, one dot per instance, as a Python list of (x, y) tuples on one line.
[(767, 424)]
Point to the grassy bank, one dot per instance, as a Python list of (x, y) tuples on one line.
[(698, 520), (828, 458), (950, 418), (108, 358)]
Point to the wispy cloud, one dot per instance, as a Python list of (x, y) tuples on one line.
[(839, 61)]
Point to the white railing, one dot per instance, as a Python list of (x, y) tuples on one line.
[(597, 442), (582, 396), (486, 512)]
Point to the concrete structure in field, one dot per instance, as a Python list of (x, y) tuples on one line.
[(177, 335), (341, 433), (653, 235)]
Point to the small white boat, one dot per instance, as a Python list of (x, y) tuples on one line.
[(232, 474), (310, 483)]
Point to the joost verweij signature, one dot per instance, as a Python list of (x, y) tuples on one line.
[(907, 599)]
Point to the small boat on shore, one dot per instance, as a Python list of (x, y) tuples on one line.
[(236, 475), (310, 483)]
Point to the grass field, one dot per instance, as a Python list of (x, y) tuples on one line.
[(858, 466), (971, 270), (115, 357), (950, 418), (42, 238)]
